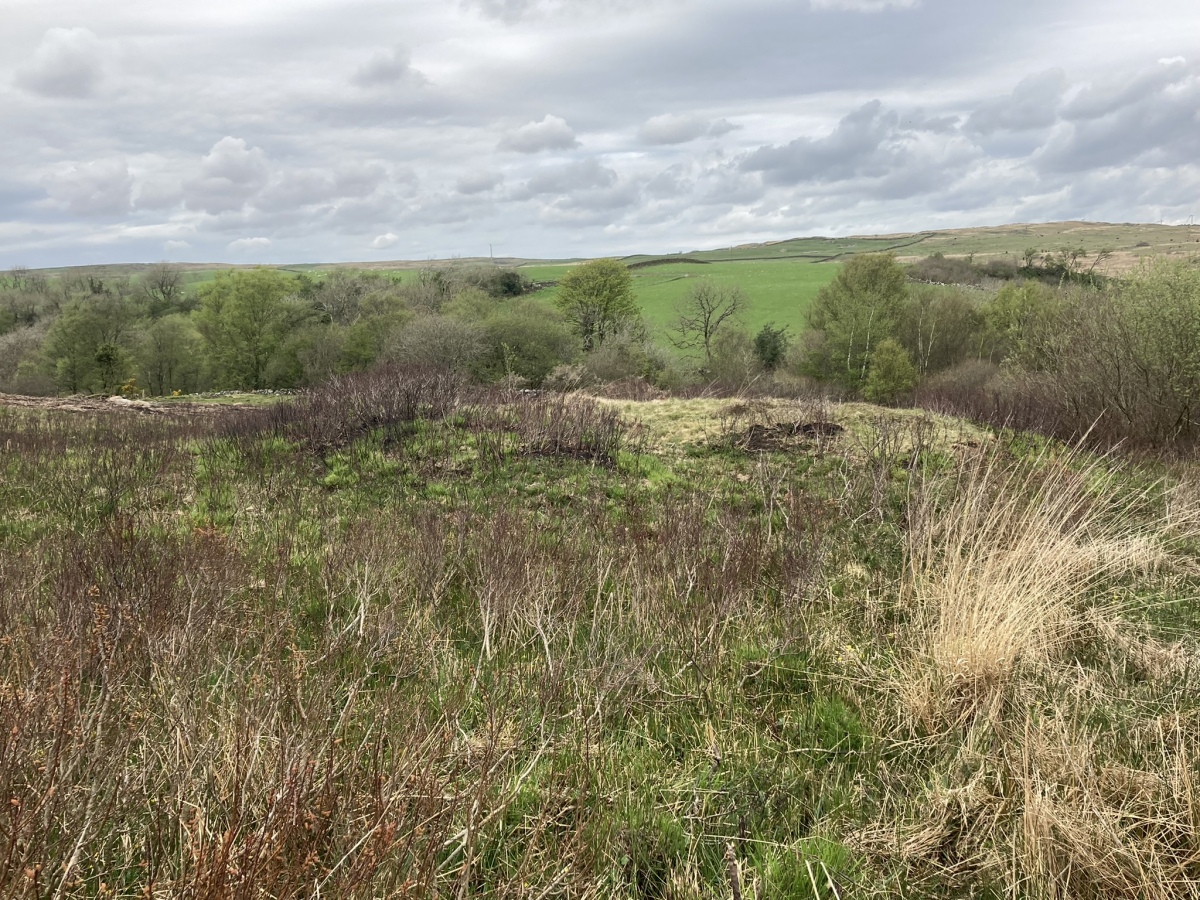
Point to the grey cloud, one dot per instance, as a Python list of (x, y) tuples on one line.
[(296, 189), (680, 128), (566, 179), (503, 10), (322, 165), (1115, 93), (593, 207), (512, 12), (478, 182), (919, 121), (362, 180), (387, 69), (69, 62), (1033, 103), (158, 192), (1153, 120), (552, 133), (102, 187), (668, 183), (851, 149)]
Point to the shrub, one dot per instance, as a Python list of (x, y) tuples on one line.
[(735, 362), (437, 341), (523, 338), (770, 346), (940, 269), (627, 353), (892, 376)]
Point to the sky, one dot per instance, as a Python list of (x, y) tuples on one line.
[(262, 131)]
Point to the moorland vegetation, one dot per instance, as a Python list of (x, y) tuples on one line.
[(418, 631), (409, 636)]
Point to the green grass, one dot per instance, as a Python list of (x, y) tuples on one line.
[(779, 290), (387, 659)]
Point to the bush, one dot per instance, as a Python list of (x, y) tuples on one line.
[(892, 376), (525, 339), (438, 341), (626, 354), (735, 362), (770, 346), (940, 269)]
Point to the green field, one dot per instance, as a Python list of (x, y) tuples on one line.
[(779, 290)]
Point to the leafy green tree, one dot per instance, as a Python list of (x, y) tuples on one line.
[(939, 326), (770, 346), (168, 355), (243, 318), (160, 289), (85, 347), (1023, 322), (851, 315), (892, 375), (597, 297)]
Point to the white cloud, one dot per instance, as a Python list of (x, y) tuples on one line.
[(249, 244), (308, 126), (384, 241), (68, 62), (176, 246), (552, 133), (231, 174)]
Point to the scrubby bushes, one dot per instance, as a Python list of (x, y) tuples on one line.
[(1118, 365)]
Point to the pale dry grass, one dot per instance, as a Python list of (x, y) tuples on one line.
[(998, 579), (1053, 776), (672, 424)]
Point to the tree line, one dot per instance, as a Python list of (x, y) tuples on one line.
[(1048, 344)]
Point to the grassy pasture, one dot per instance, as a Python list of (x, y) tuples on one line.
[(779, 290), (404, 638)]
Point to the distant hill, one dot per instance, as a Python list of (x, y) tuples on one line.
[(1128, 242)]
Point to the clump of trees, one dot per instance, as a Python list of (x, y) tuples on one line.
[(157, 333), (1115, 360)]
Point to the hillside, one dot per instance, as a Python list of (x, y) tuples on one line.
[(1128, 241), (405, 637)]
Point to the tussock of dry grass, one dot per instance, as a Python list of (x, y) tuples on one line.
[(999, 578), (1007, 580)]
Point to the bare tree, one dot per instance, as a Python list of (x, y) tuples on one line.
[(162, 285), (702, 314)]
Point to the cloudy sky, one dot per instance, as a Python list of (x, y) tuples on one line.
[(324, 130)]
